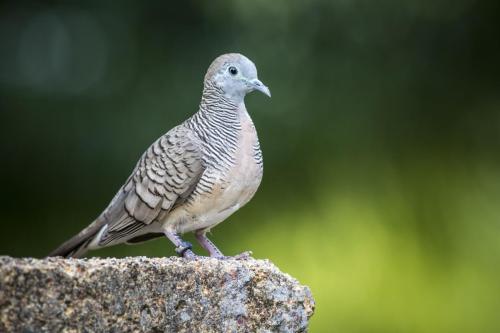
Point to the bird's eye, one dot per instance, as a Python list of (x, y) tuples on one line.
[(233, 70)]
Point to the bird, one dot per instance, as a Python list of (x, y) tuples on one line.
[(193, 177)]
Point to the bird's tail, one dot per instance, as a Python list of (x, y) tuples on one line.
[(79, 244)]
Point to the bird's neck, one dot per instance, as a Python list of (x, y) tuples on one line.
[(218, 125), (215, 104), (217, 115)]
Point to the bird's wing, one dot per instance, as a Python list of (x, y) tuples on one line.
[(164, 177)]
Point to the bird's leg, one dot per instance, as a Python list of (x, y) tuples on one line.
[(207, 244), (214, 252), (182, 247)]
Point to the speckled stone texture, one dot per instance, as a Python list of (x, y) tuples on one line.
[(150, 295)]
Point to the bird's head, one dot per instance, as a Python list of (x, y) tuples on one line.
[(236, 75)]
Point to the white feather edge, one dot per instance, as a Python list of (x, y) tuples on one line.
[(94, 244)]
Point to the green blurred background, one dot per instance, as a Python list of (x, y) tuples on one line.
[(381, 142)]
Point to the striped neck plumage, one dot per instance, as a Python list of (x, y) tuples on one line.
[(217, 124), (213, 100)]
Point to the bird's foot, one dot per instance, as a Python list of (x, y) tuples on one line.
[(242, 256), (190, 255)]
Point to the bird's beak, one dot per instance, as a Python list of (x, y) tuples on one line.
[(257, 85)]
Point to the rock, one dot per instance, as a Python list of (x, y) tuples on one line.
[(150, 295)]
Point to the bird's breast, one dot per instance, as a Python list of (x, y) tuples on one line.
[(230, 189), (237, 185), (244, 177)]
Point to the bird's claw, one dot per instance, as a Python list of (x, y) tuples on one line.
[(242, 256), (190, 255)]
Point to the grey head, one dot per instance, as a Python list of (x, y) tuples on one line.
[(236, 75)]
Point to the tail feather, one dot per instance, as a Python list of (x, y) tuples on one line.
[(78, 245)]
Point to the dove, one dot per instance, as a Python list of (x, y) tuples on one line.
[(193, 177)]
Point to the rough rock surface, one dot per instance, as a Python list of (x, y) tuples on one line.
[(150, 295)]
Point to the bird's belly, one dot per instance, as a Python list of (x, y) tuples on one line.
[(230, 192)]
